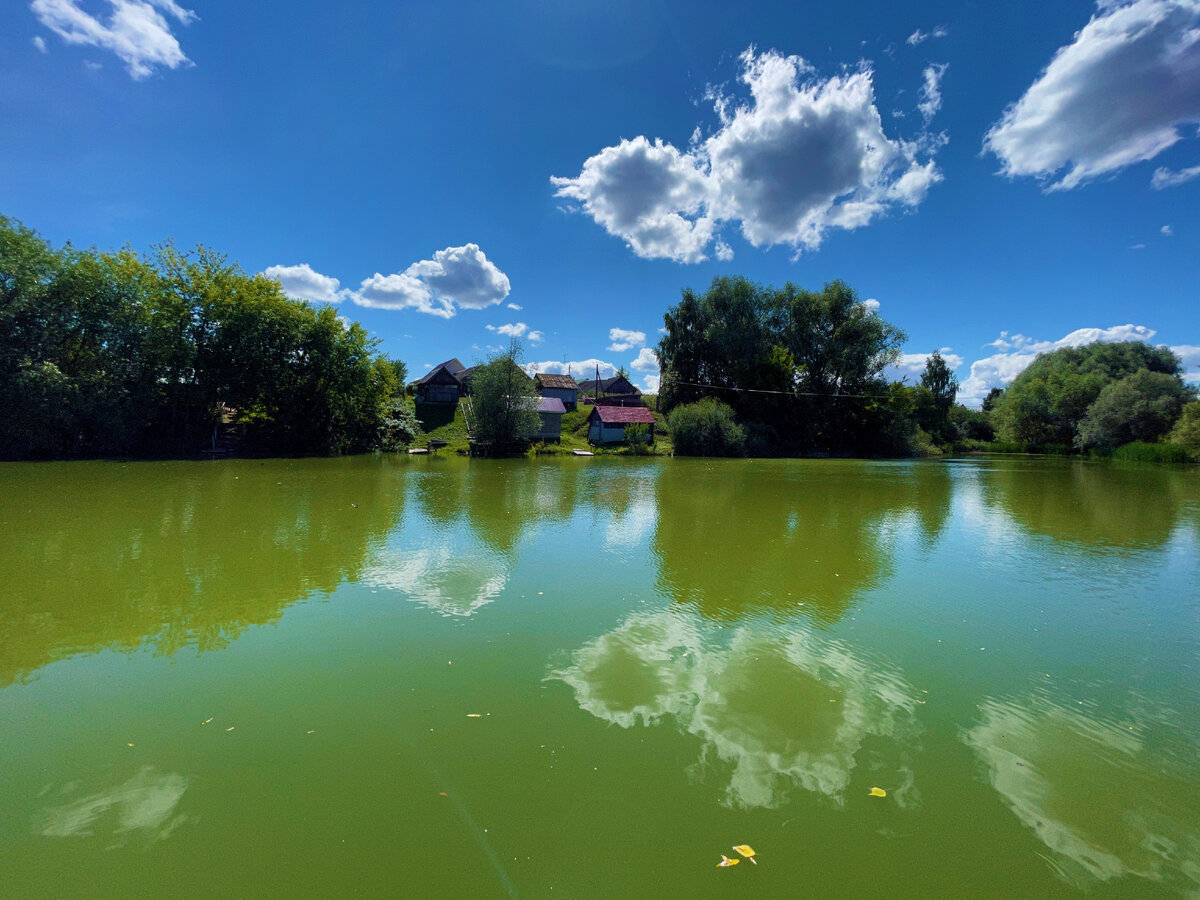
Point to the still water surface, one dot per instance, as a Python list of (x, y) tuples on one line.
[(433, 677)]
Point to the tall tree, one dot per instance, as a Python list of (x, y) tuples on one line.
[(504, 400), (939, 387)]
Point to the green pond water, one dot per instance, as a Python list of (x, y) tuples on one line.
[(434, 677)]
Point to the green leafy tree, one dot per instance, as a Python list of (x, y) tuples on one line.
[(936, 397), (1186, 432), (504, 401), (807, 362), (1140, 407), (1046, 402)]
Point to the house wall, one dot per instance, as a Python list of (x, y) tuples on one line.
[(438, 393), (551, 427), (610, 434), (570, 398)]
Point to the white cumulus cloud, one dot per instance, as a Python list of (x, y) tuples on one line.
[(535, 337), (804, 155), (647, 361), (623, 340), (455, 277), (1190, 356), (1117, 95), (580, 370), (137, 31), (303, 283)]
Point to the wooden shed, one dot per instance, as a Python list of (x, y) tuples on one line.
[(606, 424)]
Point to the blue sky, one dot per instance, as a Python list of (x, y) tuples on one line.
[(999, 178)]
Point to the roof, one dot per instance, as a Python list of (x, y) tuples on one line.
[(453, 366), (557, 382), (623, 415), (606, 385), (550, 405)]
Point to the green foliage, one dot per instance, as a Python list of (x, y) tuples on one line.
[(1140, 407), (786, 356), (936, 396), (707, 428), (112, 354), (1186, 432), (638, 438), (1140, 451), (398, 427), (1046, 402), (971, 424), (504, 401)]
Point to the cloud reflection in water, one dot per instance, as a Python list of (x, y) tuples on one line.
[(776, 710), (145, 803), (1094, 791)]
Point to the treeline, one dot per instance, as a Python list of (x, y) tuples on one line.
[(752, 369), (118, 354)]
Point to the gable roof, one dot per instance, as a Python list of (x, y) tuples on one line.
[(453, 366), (556, 382), (606, 385), (623, 415)]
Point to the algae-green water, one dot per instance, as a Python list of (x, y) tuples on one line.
[(437, 677)]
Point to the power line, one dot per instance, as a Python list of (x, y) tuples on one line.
[(721, 387)]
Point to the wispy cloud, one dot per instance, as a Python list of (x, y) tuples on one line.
[(137, 31), (920, 37)]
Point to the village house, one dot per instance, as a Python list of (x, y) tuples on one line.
[(550, 410), (618, 391), (563, 387), (441, 384), (606, 424)]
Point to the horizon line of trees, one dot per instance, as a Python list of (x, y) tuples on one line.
[(116, 354), (787, 370)]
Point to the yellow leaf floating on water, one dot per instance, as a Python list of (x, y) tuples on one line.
[(747, 851), (878, 792), (231, 727), (726, 861), (473, 715)]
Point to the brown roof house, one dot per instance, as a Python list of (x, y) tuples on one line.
[(619, 391), (563, 387), (606, 424), (442, 383)]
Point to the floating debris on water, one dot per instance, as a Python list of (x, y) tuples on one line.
[(877, 792), (726, 861), (231, 727), (747, 851), (206, 721)]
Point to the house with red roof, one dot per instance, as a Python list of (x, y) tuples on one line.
[(606, 424)]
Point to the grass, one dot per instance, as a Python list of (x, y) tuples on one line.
[(1139, 451)]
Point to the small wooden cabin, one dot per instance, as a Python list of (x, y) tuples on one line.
[(606, 424)]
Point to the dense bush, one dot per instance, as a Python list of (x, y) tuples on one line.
[(706, 428)]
